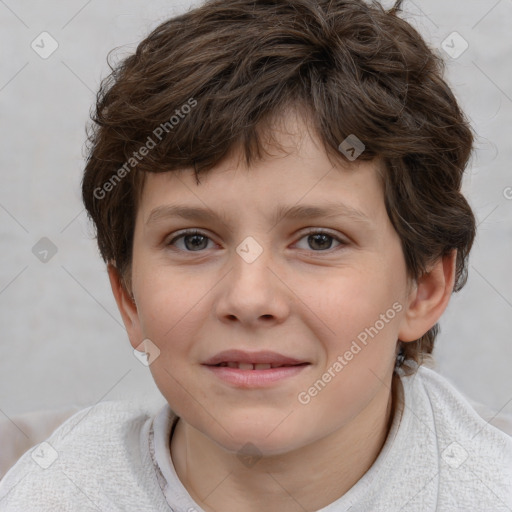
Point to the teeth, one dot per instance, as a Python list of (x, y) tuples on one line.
[(250, 366), (262, 366)]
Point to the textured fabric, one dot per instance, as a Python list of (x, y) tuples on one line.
[(439, 456), (99, 461), (20, 433)]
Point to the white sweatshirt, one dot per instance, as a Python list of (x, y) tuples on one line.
[(439, 456)]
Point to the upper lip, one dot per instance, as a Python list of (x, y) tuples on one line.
[(240, 356)]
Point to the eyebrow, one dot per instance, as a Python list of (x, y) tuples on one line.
[(328, 209)]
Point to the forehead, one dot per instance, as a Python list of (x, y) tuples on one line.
[(295, 177)]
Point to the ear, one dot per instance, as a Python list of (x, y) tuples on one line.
[(126, 305), (429, 298)]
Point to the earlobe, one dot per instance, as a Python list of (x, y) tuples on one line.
[(126, 305), (429, 298)]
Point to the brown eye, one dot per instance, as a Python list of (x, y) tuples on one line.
[(320, 241), (193, 241)]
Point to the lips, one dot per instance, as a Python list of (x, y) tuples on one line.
[(258, 373), (263, 360), (253, 366)]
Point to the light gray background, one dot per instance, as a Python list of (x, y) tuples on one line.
[(63, 341)]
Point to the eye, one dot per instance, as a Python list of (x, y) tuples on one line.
[(320, 240), (193, 241), (196, 241)]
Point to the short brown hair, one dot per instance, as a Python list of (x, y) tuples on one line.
[(350, 67)]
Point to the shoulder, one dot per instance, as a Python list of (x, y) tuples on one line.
[(88, 462), (474, 456), (453, 412)]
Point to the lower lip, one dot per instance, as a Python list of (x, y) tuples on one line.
[(255, 378)]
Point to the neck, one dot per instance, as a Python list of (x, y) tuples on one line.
[(308, 478)]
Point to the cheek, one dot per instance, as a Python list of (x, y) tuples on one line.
[(162, 299), (355, 301), (363, 317), (172, 307)]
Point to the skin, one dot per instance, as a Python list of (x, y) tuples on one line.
[(305, 297)]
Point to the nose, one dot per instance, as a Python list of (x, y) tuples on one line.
[(253, 292)]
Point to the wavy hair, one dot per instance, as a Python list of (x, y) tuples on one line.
[(349, 66)]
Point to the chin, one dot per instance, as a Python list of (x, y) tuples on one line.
[(261, 439)]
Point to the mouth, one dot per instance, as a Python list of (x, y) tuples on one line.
[(255, 366), (250, 370), (243, 360)]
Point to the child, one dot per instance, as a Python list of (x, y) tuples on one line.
[(315, 151)]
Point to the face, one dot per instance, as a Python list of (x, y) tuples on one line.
[(324, 284)]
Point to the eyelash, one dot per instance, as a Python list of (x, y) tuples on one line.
[(192, 232)]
